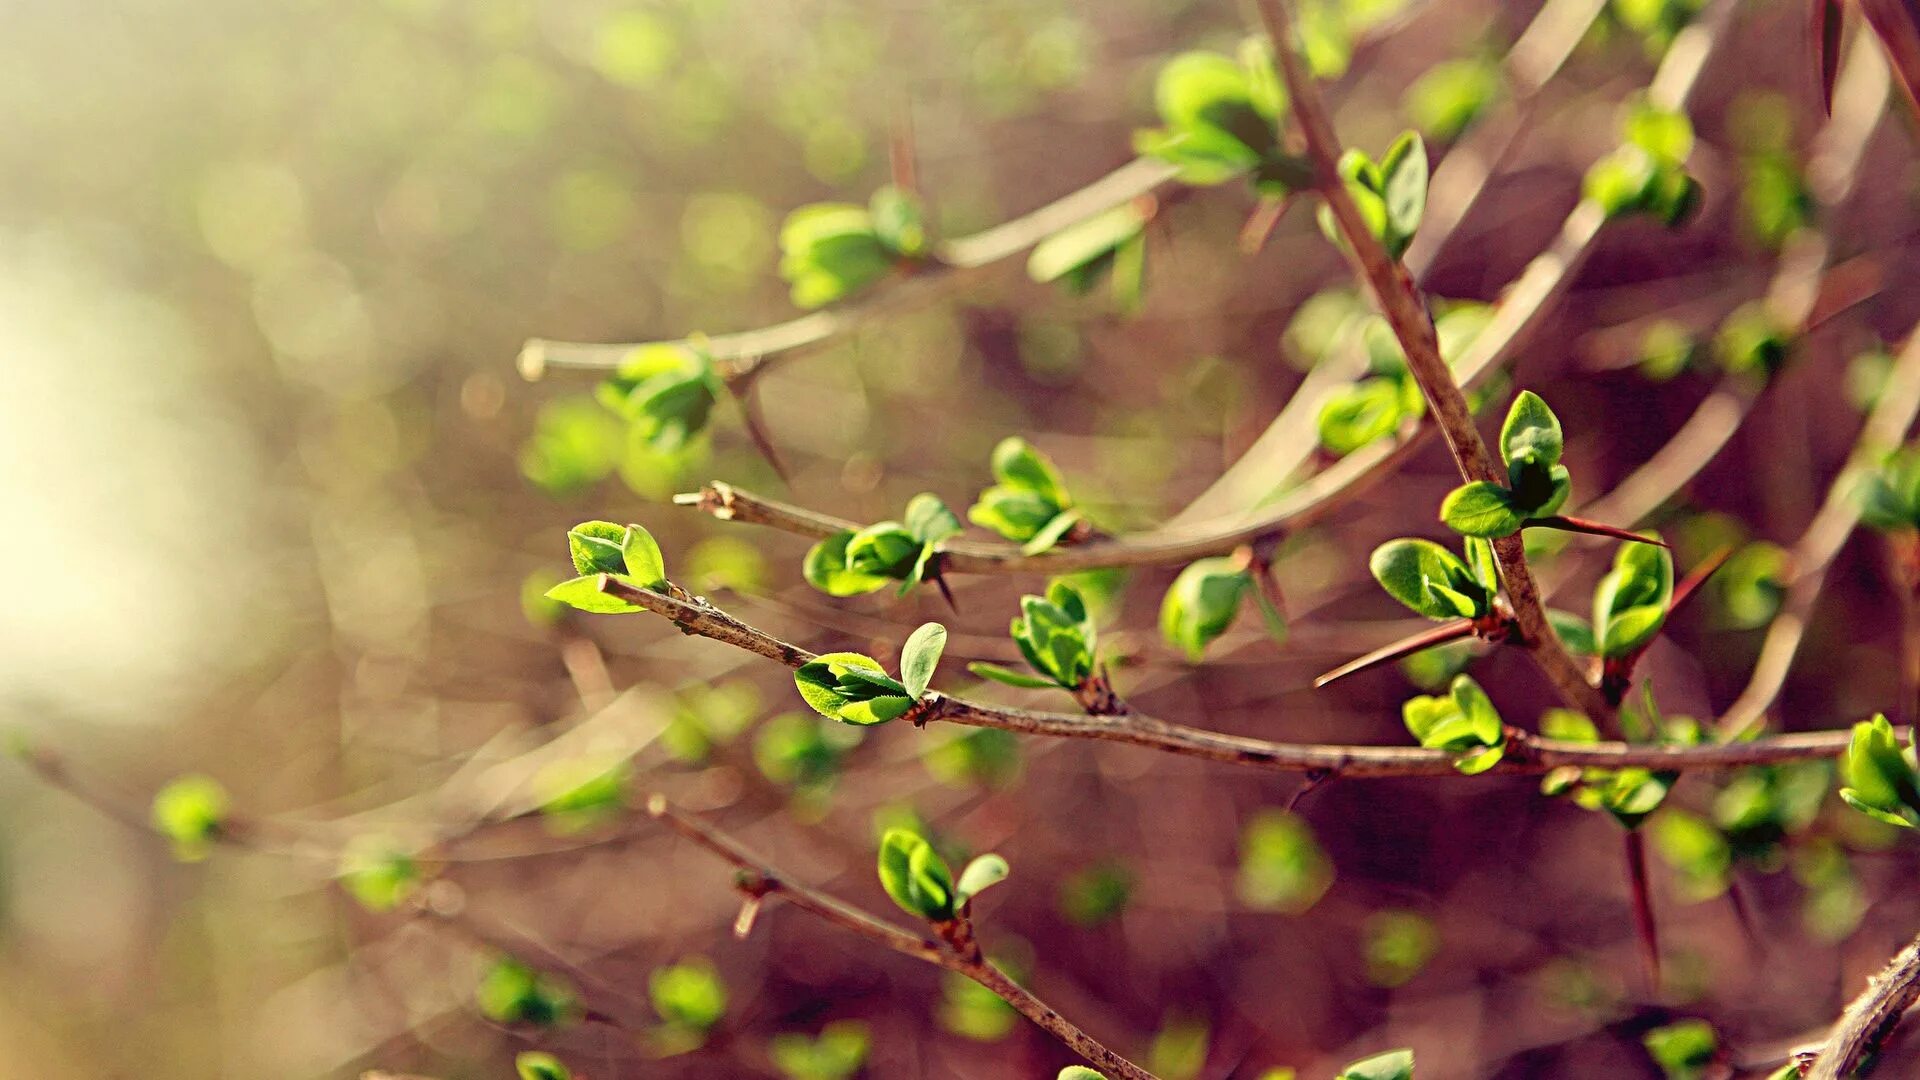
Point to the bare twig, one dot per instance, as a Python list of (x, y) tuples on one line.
[(759, 882)]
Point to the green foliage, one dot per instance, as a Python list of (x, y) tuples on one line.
[(1630, 795), (1890, 493), (539, 1065), (917, 878), (1281, 865), (1057, 637), (1435, 582), (1656, 21), (1080, 1072), (1630, 602), (576, 794), (835, 1054), (1220, 120), (1204, 600), (1392, 1065), (575, 444), (1112, 242), (1881, 777), (830, 251), (1096, 894), (855, 689), (1398, 945), (707, 715), (1029, 505), (1391, 194), (1695, 848), (1179, 1049), (1387, 399), (690, 999), (1453, 94), (1683, 1050), (1537, 484), (851, 562), (627, 553), (1750, 586), (511, 993), (1668, 349), (1647, 172), (378, 872), (665, 391), (190, 812), (1463, 723), (1752, 340)]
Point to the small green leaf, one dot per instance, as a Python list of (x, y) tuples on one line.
[(851, 688), (1878, 772), (1429, 579), (1282, 866), (1016, 463), (1080, 246), (919, 656), (539, 1065), (1481, 509), (899, 221), (688, 994), (826, 568), (1051, 533), (1630, 602), (981, 874), (583, 594), (597, 547), (928, 520), (1080, 1072), (1531, 432), (1683, 1050), (1573, 631), (512, 993), (190, 812), (1404, 187), (641, 556), (1360, 414), (1202, 603), (1008, 676), (915, 876), (1452, 95), (836, 1054), (378, 873)]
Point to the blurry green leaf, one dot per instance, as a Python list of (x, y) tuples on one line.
[(1752, 340), (1404, 187), (540, 609), (537, 1065), (1667, 350), (1078, 252), (1202, 603), (835, 1054), (1080, 1072), (928, 520), (1889, 494), (1683, 1050), (984, 757), (1398, 945), (1017, 464), (1179, 1050), (189, 812), (830, 251), (798, 751), (666, 391), (974, 1012), (1692, 846), (828, 569), (899, 221), (1281, 865), (1751, 585), (1008, 676), (688, 995), (579, 793), (1393, 1065), (1573, 631), (575, 443), (919, 656), (378, 873), (1365, 412), (1097, 893), (1219, 118), (512, 993), (1452, 94), (915, 876)]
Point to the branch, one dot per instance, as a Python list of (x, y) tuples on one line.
[(1526, 753), (758, 881), (1406, 312), (1871, 1018)]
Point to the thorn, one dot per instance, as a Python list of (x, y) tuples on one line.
[(1315, 779), (946, 593), (757, 432), (1643, 922), (1593, 528), (1425, 639)]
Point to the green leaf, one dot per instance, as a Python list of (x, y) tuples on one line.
[(641, 555), (688, 994), (851, 688), (378, 873), (928, 520), (1080, 245), (1853, 798), (1879, 773), (1429, 579), (1573, 631), (1481, 509), (1014, 512), (915, 876), (512, 993), (899, 221), (1017, 464), (583, 594), (597, 547), (1360, 414), (665, 391), (1452, 95), (1080, 1072), (1531, 432), (1051, 533), (1630, 602), (189, 812), (539, 1065), (830, 251), (919, 656), (826, 568), (1393, 1065), (981, 874), (1202, 603), (1008, 676), (1404, 188), (578, 793), (1464, 723), (1665, 134), (1282, 867), (1683, 1050), (836, 1054)]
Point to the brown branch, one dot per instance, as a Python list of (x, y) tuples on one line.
[(1406, 312), (1526, 754), (955, 952), (1871, 1018)]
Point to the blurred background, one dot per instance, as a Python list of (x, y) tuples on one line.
[(264, 271)]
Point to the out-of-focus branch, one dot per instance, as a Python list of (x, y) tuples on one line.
[(1871, 1018), (1406, 312), (1526, 753), (1811, 557), (758, 881)]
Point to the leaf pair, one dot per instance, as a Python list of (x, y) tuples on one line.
[(1630, 605), (851, 562), (1537, 484), (1056, 636), (1221, 119), (1882, 780), (855, 689), (830, 251), (1463, 723), (1890, 493), (917, 878), (665, 391), (1435, 582), (1029, 505), (1647, 172), (1204, 600), (1391, 194), (625, 552), (1112, 241)]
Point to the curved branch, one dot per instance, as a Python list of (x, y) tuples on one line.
[(1872, 1016)]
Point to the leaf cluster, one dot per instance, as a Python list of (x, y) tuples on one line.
[(1220, 118), (917, 878), (1029, 503), (852, 562), (1531, 443), (830, 251), (1391, 194), (855, 689), (1057, 637), (1647, 172), (1436, 583), (1463, 723)]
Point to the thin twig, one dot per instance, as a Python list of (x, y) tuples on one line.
[(759, 881)]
